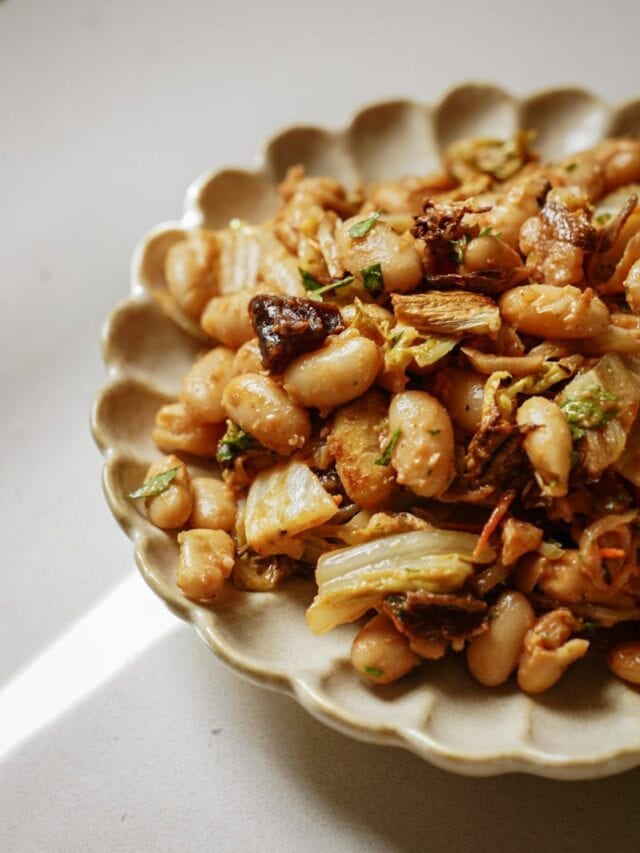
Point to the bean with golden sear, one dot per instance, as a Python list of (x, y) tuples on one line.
[(380, 653), (423, 455), (248, 359), (214, 507), (206, 561), (342, 369), (203, 385), (624, 661), (397, 254), (264, 410), (178, 428), (547, 311), (190, 271), (172, 507), (489, 253), (354, 442), (493, 656)]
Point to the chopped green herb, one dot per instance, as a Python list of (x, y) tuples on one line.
[(457, 249), (434, 431), (310, 283), (590, 627), (488, 232), (374, 671), (232, 442), (363, 226), (602, 218), (385, 459), (553, 542), (571, 167), (372, 280), (395, 338), (155, 485), (592, 409)]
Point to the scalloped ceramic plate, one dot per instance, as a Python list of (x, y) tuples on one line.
[(589, 725)]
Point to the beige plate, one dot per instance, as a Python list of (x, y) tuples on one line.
[(588, 726)]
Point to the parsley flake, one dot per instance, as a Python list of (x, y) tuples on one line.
[(233, 442), (372, 280), (434, 431), (602, 218), (374, 671), (155, 485), (363, 226), (456, 255), (385, 459), (571, 167), (311, 283), (592, 409)]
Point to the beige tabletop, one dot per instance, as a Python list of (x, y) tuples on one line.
[(119, 730)]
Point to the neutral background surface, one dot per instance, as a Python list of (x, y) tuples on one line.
[(118, 728)]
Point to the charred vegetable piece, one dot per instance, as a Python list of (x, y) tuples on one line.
[(448, 312), (289, 326), (436, 618)]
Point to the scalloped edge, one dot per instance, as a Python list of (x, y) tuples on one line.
[(525, 760)]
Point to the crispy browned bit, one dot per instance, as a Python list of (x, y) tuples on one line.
[(485, 281), (448, 312), (441, 227), (262, 574), (610, 233), (433, 619), (567, 225), (288, 326)]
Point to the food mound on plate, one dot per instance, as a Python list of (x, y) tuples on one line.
[(426, 392)]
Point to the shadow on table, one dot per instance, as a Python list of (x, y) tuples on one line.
[(413, 806)]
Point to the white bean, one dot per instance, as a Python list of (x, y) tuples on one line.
[(214, 507), (206, 561), (547, 443), (462, 392), (354, 442), (203, 385), (341, 370), (179, 428), (263, 409), (548, 651), (190, 271), (624, 661), (380, 653), (396, 254), (554, 312), (423, 455), (226, 318), (248, 359), (493, 656)]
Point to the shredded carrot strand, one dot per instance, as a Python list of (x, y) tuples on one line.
[(493, 521), (612, 553)]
